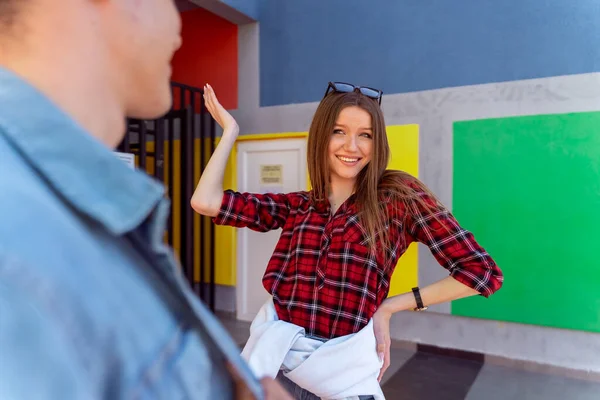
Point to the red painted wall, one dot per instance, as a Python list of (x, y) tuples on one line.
[(209, 54)]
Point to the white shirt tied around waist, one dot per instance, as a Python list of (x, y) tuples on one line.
[(342, 368)]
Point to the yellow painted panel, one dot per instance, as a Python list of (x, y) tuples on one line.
[(225, 236), (404, 144), (271, 136)]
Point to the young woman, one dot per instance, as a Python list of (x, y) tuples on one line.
[(331, 269)]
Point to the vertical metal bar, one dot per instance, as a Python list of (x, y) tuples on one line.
[(194, 179), (143, 145), (171, 141), (181, 98), (189, 185), (126, 143), (186, 185), (193, 104), (202, 218), (212, 230), (159, 148), (182, 187), (173, 96)]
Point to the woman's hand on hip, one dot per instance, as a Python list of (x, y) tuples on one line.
[(381, 326)]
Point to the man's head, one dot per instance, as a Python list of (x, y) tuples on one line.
[(120, 50), (141, 37)]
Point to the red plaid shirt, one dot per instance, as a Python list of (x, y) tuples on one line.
[(322, 275)]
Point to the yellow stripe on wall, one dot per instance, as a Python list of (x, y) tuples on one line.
[(225, 236), (404, 144)]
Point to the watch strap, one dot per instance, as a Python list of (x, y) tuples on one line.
[(419, 301)]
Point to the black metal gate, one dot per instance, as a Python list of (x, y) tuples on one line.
[(175, 149)]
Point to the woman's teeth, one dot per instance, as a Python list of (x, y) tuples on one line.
[(348, 160)]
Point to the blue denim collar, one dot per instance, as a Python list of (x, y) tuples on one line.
[(78, 167)]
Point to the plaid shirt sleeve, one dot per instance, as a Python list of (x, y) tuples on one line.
[(453, 247), (259, 212)]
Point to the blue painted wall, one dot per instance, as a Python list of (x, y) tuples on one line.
[(411, 45), (250, 8)]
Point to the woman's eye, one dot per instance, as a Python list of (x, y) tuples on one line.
[(367, 135), (338, 131)]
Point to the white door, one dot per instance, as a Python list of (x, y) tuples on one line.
[(264, 166)]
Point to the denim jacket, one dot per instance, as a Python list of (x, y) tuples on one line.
[(92, 304)]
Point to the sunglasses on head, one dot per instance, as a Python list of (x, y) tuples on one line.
[(343, 87)]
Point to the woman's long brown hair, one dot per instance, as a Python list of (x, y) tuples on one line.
[(374, 179)]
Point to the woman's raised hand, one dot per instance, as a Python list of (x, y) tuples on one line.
[(219, 113)]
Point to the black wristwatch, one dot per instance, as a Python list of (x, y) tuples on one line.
[(420, 306)]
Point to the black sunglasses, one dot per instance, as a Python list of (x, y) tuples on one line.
[(343, 87)]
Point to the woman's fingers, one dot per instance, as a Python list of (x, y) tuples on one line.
[(217, 111), (209, 100)]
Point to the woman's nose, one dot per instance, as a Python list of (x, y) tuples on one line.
[(350, 144)]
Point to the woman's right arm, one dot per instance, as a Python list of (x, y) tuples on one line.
[(208, 196), (259, 212)]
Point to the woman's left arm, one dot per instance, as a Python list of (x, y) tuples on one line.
[(472, 270), (442, 291)]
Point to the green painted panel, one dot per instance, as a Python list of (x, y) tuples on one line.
[(529, 190)]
